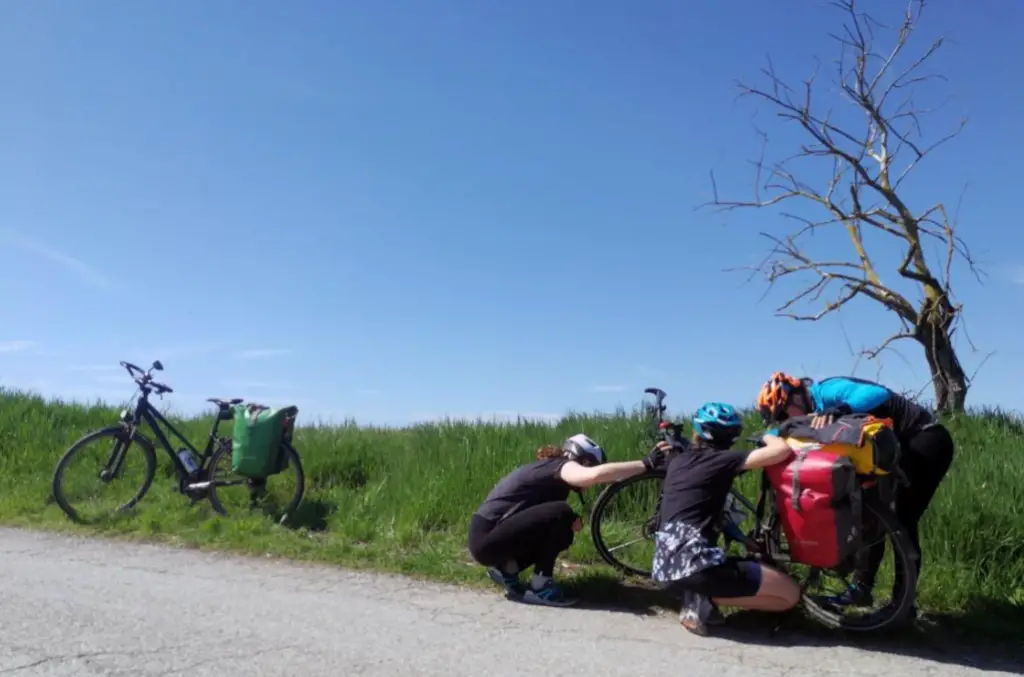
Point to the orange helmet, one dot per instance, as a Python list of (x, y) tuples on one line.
[(774, 396)]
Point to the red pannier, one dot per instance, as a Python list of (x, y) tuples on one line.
[(818, 499)]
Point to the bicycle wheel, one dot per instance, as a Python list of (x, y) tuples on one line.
[(114, 465), (904, 554), (628, 510), (275, 496)]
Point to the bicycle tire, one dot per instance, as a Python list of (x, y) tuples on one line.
[(902, 548), (294, 461), (121, 435), (598, 511)]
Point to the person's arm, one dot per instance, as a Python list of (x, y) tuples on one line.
[(775, 450), (583, 477)]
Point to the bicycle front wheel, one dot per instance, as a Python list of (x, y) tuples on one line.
[(276, 496), (104, 473), (624, 520)]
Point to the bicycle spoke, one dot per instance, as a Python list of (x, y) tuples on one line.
[(619, 547)]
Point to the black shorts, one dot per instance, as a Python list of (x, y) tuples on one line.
[(734, 578)]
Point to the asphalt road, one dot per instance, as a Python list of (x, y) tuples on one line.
[(78, 607)]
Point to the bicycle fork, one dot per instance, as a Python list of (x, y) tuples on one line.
[(116, 459)]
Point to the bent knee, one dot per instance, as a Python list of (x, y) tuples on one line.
[(779, 585)]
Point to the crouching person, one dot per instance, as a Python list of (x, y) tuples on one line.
[(526, 519), (694, 493)]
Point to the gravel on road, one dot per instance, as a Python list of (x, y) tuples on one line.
[(79, 607)]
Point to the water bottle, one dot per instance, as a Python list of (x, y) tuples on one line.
[(187, 460)]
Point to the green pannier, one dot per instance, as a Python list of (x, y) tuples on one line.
[(258, 439)]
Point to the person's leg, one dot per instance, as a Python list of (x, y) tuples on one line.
[(931, 456), (557, 538), (925, 460), (492, 553), (754, 586), (736, 582), (534, 536)]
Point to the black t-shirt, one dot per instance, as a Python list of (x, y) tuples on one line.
[(697, 483), (531, 484)]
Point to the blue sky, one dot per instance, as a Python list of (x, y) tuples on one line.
[(398, 210)]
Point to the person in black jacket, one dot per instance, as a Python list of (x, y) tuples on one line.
[(526, 519), (926, 455)]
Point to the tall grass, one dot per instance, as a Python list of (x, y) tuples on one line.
[(401, 499)]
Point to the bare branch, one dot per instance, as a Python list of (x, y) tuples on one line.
[(887, 343), (860, 191)]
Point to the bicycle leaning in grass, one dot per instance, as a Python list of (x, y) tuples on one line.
[(125, 459), (629, 511)]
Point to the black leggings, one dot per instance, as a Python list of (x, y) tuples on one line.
[(532, 537), (925, 459)]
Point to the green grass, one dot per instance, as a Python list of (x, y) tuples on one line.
[(399, 500)]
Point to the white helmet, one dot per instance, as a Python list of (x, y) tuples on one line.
[(581, 445)]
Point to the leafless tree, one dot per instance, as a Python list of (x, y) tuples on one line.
[(862, 161)]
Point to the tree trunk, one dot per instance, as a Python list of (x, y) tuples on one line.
[(948, 377)]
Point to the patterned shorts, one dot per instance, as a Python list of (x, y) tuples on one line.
[(681, 551)]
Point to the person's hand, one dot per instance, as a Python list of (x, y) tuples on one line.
[(656, 458), (577, 525), (821, 420)]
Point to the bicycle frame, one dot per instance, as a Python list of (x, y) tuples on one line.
[(145, 413)]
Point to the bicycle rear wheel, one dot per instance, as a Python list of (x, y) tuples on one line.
[(276, 496), (626, 515), (885, 528), (109, 461)]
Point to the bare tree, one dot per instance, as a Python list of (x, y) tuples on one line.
[(861, 167)]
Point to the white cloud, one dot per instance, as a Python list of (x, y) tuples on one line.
[(257, 353), (80, 268), (15, 346), (607, 389)]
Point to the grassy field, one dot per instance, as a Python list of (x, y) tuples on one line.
[(399, 500)]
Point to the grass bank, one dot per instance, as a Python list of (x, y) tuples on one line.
[(399, 500)]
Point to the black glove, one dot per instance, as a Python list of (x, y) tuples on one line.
[(655, 459)]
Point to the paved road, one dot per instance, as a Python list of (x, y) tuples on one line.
[(76, 607)]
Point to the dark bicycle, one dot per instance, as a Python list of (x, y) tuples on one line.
[(618, 514), (200, 475)]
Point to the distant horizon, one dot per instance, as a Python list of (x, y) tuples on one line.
[(489, 418)]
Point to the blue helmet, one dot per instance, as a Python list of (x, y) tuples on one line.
[(718, 423)]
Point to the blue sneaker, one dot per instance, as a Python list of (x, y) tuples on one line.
[(855, 595), (513, 586), (549, 595)]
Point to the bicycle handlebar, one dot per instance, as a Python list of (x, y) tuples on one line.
[(145, 378), (669, 431)]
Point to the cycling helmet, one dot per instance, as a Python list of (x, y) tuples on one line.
[(773, 399), (582, 446), (718, 423)]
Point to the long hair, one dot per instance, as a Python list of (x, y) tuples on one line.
[(549, 451)]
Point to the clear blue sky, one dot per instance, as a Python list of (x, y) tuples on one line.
[(397, 210)]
